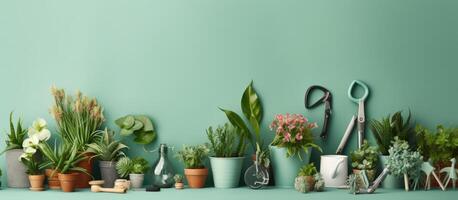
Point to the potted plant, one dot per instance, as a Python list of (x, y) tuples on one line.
[(193, 158), (228, 146), (365, 159), (402, 161), (78, 118), (51, 160), (134, 168), (291, 147), (384, 132), (67, 167), (108, 151), (17, 176), (305, 180), (178, 181)]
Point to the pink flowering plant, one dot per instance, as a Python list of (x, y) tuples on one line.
[(293, 132)]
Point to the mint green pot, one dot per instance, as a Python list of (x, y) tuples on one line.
[(390, 181), (285, 169), (226, 171)]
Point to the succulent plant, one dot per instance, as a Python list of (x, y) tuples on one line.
[(307, 170), (178, 178), (138, 125), (365, 158), (319, 182), (301, 184)]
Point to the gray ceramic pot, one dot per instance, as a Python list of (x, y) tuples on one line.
[(108, 173), (17, 178), (136, 180)]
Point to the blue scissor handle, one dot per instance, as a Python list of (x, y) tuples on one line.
[(363, 85)]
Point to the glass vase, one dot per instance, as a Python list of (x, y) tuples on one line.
[(162, 169)]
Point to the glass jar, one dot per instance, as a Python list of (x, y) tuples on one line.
[(162, 169)]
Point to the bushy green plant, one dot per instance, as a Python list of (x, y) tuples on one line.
[(365, 158), (78, 118), (388, 128), (139, 165), (307, 170), (126, 166), (193, 156), (178, 178), (440, 146), (223, 141), (403, 161), (107, 148), (32, 164), (16, 135), (138, 125)]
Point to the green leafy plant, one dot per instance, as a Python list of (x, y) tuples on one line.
[(193, 156), (107, 148), (32, 165), (126, 166), (440, 146), (78, 118), (307, 170), (64, 160), (388, 128), (178, 178), (223, 141), (365, 158), (16, 135), (138, 125), (252, 110), (403, 161)]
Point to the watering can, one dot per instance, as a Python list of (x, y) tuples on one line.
[(334, 170)]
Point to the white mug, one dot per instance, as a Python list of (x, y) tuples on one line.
[(334, 170)]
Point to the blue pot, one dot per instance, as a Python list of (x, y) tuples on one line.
[(226, 171), (285, 169)]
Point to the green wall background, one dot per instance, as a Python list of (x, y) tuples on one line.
[(178, 60)]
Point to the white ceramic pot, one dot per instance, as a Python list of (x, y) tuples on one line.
[(334, 169)]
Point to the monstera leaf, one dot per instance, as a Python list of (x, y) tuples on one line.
[(138, 125)]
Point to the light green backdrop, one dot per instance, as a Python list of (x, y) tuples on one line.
[(178, 60)]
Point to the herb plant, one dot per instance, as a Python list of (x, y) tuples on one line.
[(138, 125), (388, 128), (193, 156), (440, 146), (307, 170), (107, 148), (223, 141), (16, 135), (365, 158)]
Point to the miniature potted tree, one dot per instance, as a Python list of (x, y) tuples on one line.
[(291, 147), (404, 162), (193, 158), (108, 151), (178, 181), (228, 146), (365, 159), (305, 181), (134, 168)]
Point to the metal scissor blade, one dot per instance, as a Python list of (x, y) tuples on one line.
[(361, 123)]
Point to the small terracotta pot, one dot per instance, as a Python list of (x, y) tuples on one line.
[(311, 183), (53, 181), (179, 186), (37, 182), (196, 177), (68, 181), (83, 178)]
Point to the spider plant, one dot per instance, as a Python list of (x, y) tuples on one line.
[(62, 159), (388, 128), (107, 148), (78, 118), (16, 135)]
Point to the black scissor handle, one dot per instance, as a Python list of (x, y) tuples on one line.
[(321, 100)]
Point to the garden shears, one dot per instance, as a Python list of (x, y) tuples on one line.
[(360, 119), (327, 100)]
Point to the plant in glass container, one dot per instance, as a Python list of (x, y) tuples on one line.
[(227, 145), (291, 146), (366, 159), (193, 158), (78, 118), (134, 168), (107, 150)]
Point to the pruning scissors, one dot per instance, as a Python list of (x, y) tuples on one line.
[(361, 119), (327, 100)]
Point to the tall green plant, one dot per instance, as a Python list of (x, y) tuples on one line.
[(16, 136), (223, 141), (388, 128), (78, 118), (252, 110)]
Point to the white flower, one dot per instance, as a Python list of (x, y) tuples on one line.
[(30, 142), (43, 135), (25, 156), (30, 150), (39, 124), (39, 129)]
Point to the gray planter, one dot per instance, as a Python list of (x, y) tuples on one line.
[(17, 178), (136, 180), (108, 173)]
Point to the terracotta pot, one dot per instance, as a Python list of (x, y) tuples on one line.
[(68, 181), (196, 177), (37, 182), (179, 186), (53, 181), (83, 178)]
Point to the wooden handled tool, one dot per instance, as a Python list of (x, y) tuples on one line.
[(96, 187)]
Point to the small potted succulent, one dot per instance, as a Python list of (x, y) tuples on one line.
[(178, 181), (108, 151), (291, 147), (134, 168), (366, 159), (305, 180), (227, 144), (193, 158)]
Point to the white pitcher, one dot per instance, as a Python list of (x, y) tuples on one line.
[(334, 170)]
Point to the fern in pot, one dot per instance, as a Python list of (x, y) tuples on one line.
[(227, 144), (108, 151), (193, 158), (134, 168)]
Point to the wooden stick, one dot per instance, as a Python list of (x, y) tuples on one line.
[(438, 180)]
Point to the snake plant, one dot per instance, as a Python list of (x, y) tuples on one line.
[(16, 135)]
